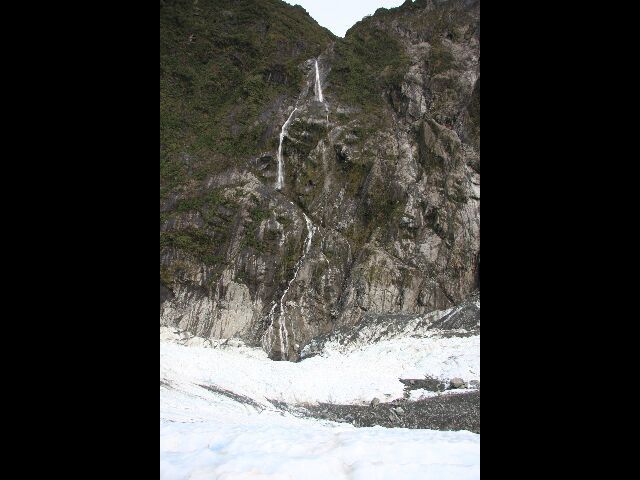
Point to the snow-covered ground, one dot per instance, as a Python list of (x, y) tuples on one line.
[(208, 435), (356, 376)]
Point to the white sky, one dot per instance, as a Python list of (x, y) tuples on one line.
[(340, 15)]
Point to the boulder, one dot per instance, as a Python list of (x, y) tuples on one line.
[(457, 383)]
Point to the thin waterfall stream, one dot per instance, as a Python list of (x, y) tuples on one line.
[(318, 86), (283, 132), (268, 337), (282, 327)]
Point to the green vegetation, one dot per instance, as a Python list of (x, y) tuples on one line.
[(222, 63), (382, 207), (440, 58), (369, 64), (284, 221), (210, 204), (227, 65), (170, 273), (369, 61), (195, 242), (250, 239), (209, 243), (355, 175), (259, 214), (166, 277)]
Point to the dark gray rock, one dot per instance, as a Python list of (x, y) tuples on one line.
[(444, 412), (395, 210), (466, 316), (427, 383)]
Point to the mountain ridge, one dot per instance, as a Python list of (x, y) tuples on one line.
[(386, 169)]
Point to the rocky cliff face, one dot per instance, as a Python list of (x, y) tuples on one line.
[(379, 211)]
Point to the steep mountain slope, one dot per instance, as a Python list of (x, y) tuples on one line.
[(378, 211), (225, 67)]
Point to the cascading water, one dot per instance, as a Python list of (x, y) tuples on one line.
[(283, 132), (267, 339), (318, 87)]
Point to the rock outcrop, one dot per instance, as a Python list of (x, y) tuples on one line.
[(379, 212)]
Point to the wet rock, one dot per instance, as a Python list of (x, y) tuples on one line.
[(396, 205), (342, 153)]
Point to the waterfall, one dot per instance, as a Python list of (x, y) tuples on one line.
[(283, 132), (318, 87), (282, 327)]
